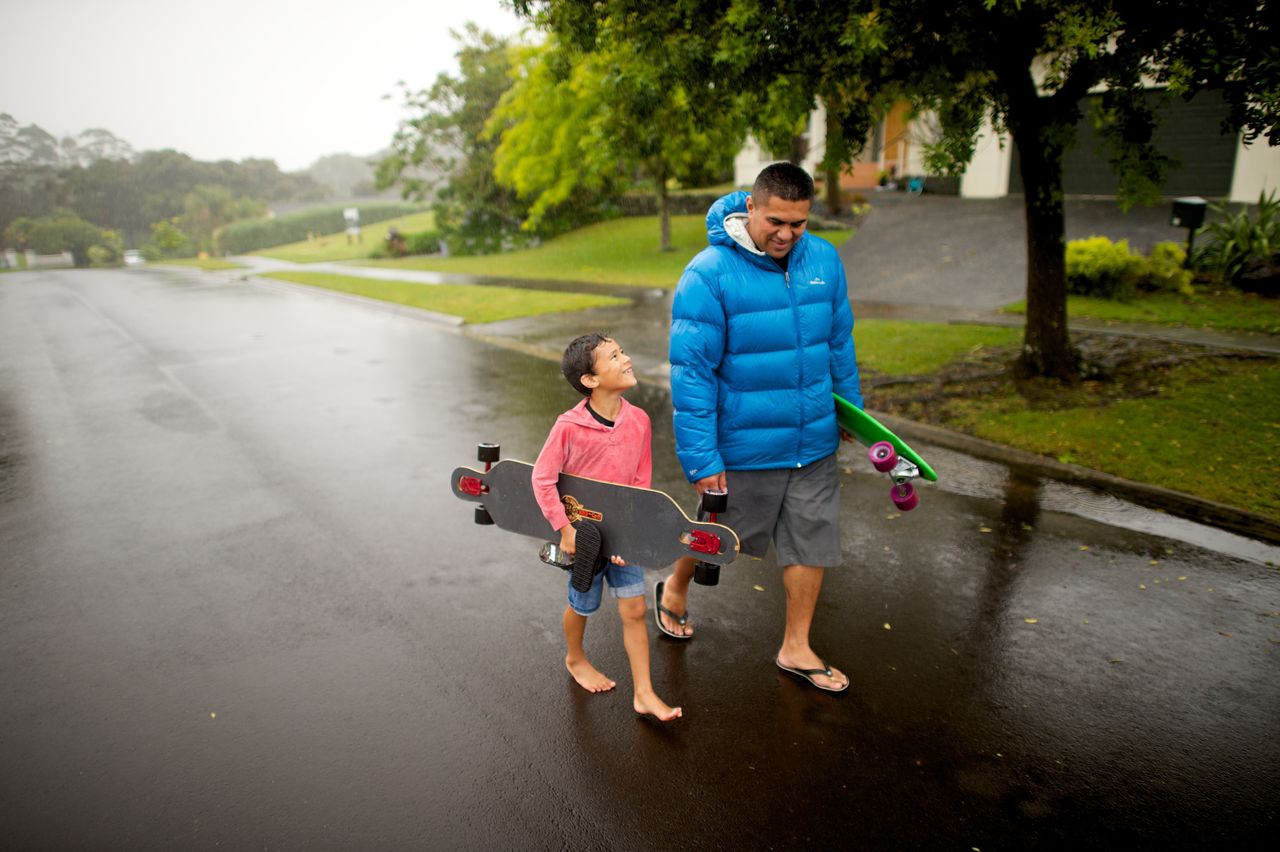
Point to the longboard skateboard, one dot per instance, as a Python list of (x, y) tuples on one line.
[(888, 453), (643, 526)]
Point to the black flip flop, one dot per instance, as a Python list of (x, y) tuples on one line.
[(808, 675), (589, 556), (659, 610)]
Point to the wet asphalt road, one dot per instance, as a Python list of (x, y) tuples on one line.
[(239, 609)]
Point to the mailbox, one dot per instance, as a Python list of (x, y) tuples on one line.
[(1188, 213)]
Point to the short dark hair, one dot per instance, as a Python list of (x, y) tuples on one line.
[(783, 180), (580, 359)]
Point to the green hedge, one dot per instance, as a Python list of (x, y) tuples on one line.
[(253, 234), (1098, 267)]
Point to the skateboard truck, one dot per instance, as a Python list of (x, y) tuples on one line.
[(885, 459), (713, 503), (487, 453)]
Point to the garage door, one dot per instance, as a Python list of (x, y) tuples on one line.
[(1189, 131)]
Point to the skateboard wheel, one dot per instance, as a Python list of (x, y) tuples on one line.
[(488, 452), (706, 574), (883, 456), (483, 516), (904, 497), (714, 502)]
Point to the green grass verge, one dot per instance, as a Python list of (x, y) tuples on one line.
[(621, 251), (208, 264), (331, 247), (1212, 434), (1224, 310), (898, 348), (472, 304)]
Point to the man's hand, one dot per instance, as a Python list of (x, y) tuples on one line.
[(711, 483)]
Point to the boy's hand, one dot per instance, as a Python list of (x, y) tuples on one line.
[(846, 437), (617, 560), (568, 539)]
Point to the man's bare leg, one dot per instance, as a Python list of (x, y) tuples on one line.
[(675, 595), (803, 584), (635, 638), (575, 627)]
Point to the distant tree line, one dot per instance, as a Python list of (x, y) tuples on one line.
[(99, 179)]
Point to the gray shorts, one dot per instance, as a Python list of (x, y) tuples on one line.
[(797, 508)]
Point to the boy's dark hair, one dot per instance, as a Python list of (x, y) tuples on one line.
[(783, 180), (580, 359)]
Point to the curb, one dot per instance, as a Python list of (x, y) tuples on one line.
[(1241, 521)]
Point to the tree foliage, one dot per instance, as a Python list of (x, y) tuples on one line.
[(441, 152), (576, 124), (1025, 64)]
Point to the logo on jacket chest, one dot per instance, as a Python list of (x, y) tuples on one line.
[(816, 281)]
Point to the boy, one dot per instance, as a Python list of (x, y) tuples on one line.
[(603, 437)]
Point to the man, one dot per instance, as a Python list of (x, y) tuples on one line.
[(761, 335)]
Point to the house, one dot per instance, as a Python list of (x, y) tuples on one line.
[(1210, 164)]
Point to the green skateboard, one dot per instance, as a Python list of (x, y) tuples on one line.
[(888, 453)]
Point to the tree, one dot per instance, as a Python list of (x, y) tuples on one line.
[(167, 237), (64, 231), (1025, 64), (578, 124), (442, 152)]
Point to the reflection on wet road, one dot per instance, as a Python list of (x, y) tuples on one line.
[(240, 608)]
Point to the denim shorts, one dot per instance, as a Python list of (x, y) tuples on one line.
[(625, 581)]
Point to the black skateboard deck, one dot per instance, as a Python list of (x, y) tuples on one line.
[(643, 526)]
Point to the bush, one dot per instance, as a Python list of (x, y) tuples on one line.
[(1237, 241), (1166, 270), (422, 242), (64, 232), (253, 234), (1098, 267)]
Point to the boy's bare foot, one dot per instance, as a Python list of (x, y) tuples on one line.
[(587, 676), (652, 705)]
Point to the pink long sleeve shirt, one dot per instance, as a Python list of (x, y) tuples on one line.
[(583, 446)]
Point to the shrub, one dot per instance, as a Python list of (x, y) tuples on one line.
[(1236, 241), (1098, 267), (64, 232), (1166, 270), (253, 234), (422, 242)]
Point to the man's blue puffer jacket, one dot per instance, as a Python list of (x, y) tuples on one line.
[(756, 353)]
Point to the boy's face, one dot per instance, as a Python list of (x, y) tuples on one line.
[(611, 369)]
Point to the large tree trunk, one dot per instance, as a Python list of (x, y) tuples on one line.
[(664, 211), (832, 168), (1047, 349)]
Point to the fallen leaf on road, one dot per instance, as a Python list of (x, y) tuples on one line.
[(886, 626), (758, 588), (1031, 620)]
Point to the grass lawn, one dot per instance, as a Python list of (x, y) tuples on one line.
[(1185, 418), (1226, 310), (472, 304), (330, 247), (621, 251), (897, 348), (208, 264), (1191, 437)]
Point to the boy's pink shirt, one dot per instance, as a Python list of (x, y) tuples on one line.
[(581, 445)]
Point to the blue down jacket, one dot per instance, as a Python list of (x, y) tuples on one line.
[(756, 353)]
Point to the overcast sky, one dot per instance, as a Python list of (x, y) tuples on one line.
[(288, 80)]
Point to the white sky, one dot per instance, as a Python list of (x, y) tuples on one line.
[(289, 80)]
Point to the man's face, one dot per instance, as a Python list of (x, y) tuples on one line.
[(775, 225)]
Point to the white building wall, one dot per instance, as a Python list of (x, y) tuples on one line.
[(988, 173), (1257, 171)]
